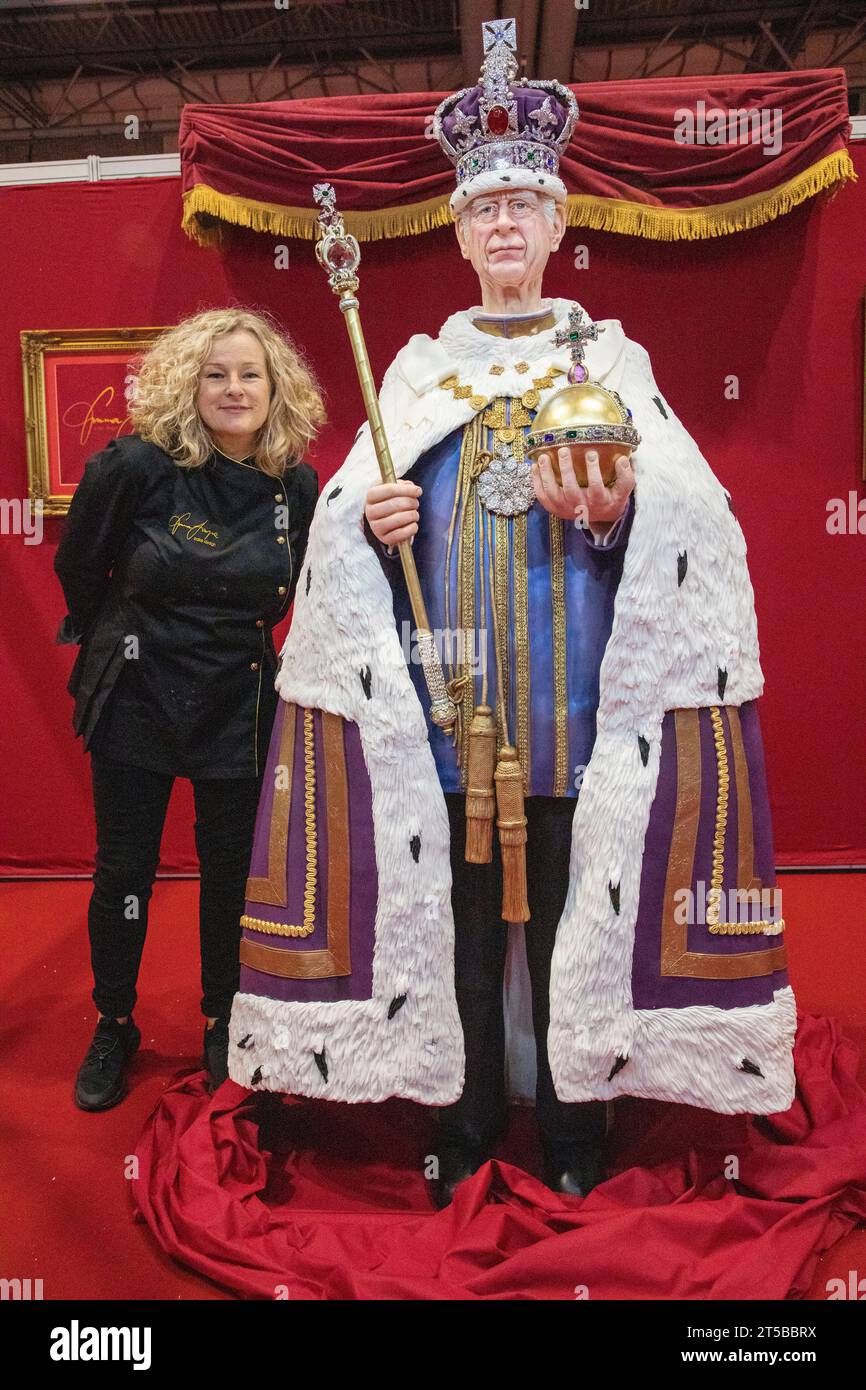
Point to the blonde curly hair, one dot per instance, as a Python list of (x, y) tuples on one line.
[(164, 409)]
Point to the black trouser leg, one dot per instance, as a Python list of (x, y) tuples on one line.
[(225, 810), (480, 942), (130, 805), (561, 1125)]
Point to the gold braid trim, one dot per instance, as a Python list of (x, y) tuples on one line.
[(521, 643), (465, 697), (264, 924), (460, 678), (560, 688), (518, 417), (499, 541), (714, 894), (487, 523)]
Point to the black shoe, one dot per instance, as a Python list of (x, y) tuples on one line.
[(455, 1166), (575, 1172), (100, 1082), (216, 1051)]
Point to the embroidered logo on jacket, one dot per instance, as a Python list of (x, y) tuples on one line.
[(194, 530)]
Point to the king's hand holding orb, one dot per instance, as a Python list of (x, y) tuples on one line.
[(593, 505)]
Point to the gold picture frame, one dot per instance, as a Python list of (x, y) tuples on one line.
[(43, 353)]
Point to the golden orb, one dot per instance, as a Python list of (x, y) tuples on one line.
[(582, 416)]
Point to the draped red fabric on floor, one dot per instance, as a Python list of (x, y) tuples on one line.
[(666, 158), (281, 1198)]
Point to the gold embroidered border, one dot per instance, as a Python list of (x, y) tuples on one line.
[(560, 670), (521, 643), (499, 539), (676, 958), (273, 888), (745, 830), (335, 959), (466, 597), (311, 846)]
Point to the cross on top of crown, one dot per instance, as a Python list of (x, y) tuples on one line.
[(575, 337), (502, 31)]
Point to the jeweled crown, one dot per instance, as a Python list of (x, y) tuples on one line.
[(506, 129)]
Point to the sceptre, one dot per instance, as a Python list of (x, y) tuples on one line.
[(340, 255)]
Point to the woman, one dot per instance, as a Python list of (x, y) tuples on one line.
[(180, 553)]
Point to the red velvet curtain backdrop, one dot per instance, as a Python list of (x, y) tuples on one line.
[(780, 306), (255, 164)]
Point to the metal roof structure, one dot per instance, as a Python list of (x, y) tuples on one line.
[(71, 75)]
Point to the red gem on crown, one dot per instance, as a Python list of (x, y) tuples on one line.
[(497, 120)]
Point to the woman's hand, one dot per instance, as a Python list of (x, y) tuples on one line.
[(594, 505), (392, 511)]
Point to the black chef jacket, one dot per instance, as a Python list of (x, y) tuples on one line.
[(174, 578)]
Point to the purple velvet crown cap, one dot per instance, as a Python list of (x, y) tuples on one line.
[(462, 126)]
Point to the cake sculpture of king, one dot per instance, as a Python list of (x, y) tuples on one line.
[(603, 780)]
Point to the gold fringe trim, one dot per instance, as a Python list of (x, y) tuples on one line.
[(718, 219), (201, 203), (204, 210)]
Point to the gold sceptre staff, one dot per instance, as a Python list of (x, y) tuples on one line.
[(340, 255)]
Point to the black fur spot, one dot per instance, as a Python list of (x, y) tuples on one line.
[(396, 1004), (723, 680), (321, 1063), (613, 889), (617, 1066), (415, 847), (682, 566), (335, 492), (246, 1040), (730, 504), (366, 681), (256, 1077), (309, 578), (751, 1067), (506, 178), (660, 406)]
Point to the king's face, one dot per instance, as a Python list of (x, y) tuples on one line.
[(508, 237)]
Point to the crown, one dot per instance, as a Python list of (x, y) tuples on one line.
[(506, 131)]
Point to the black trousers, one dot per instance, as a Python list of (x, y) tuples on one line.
[(479, 1117), (130, 805)]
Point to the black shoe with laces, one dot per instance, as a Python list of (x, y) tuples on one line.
[(101, 1082), (216, 1051)]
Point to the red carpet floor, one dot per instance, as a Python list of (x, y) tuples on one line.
[(65, 1176)]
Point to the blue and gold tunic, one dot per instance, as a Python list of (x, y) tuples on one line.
[(544, 584)]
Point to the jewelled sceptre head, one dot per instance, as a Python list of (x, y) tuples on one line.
[(584, 414), (340, 255)]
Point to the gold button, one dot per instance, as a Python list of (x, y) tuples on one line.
[(278, 497), (260, 622), (282, 589), (254, 665), (281, 540)]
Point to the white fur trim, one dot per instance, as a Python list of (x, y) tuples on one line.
[(500, 180), (664, 651)]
